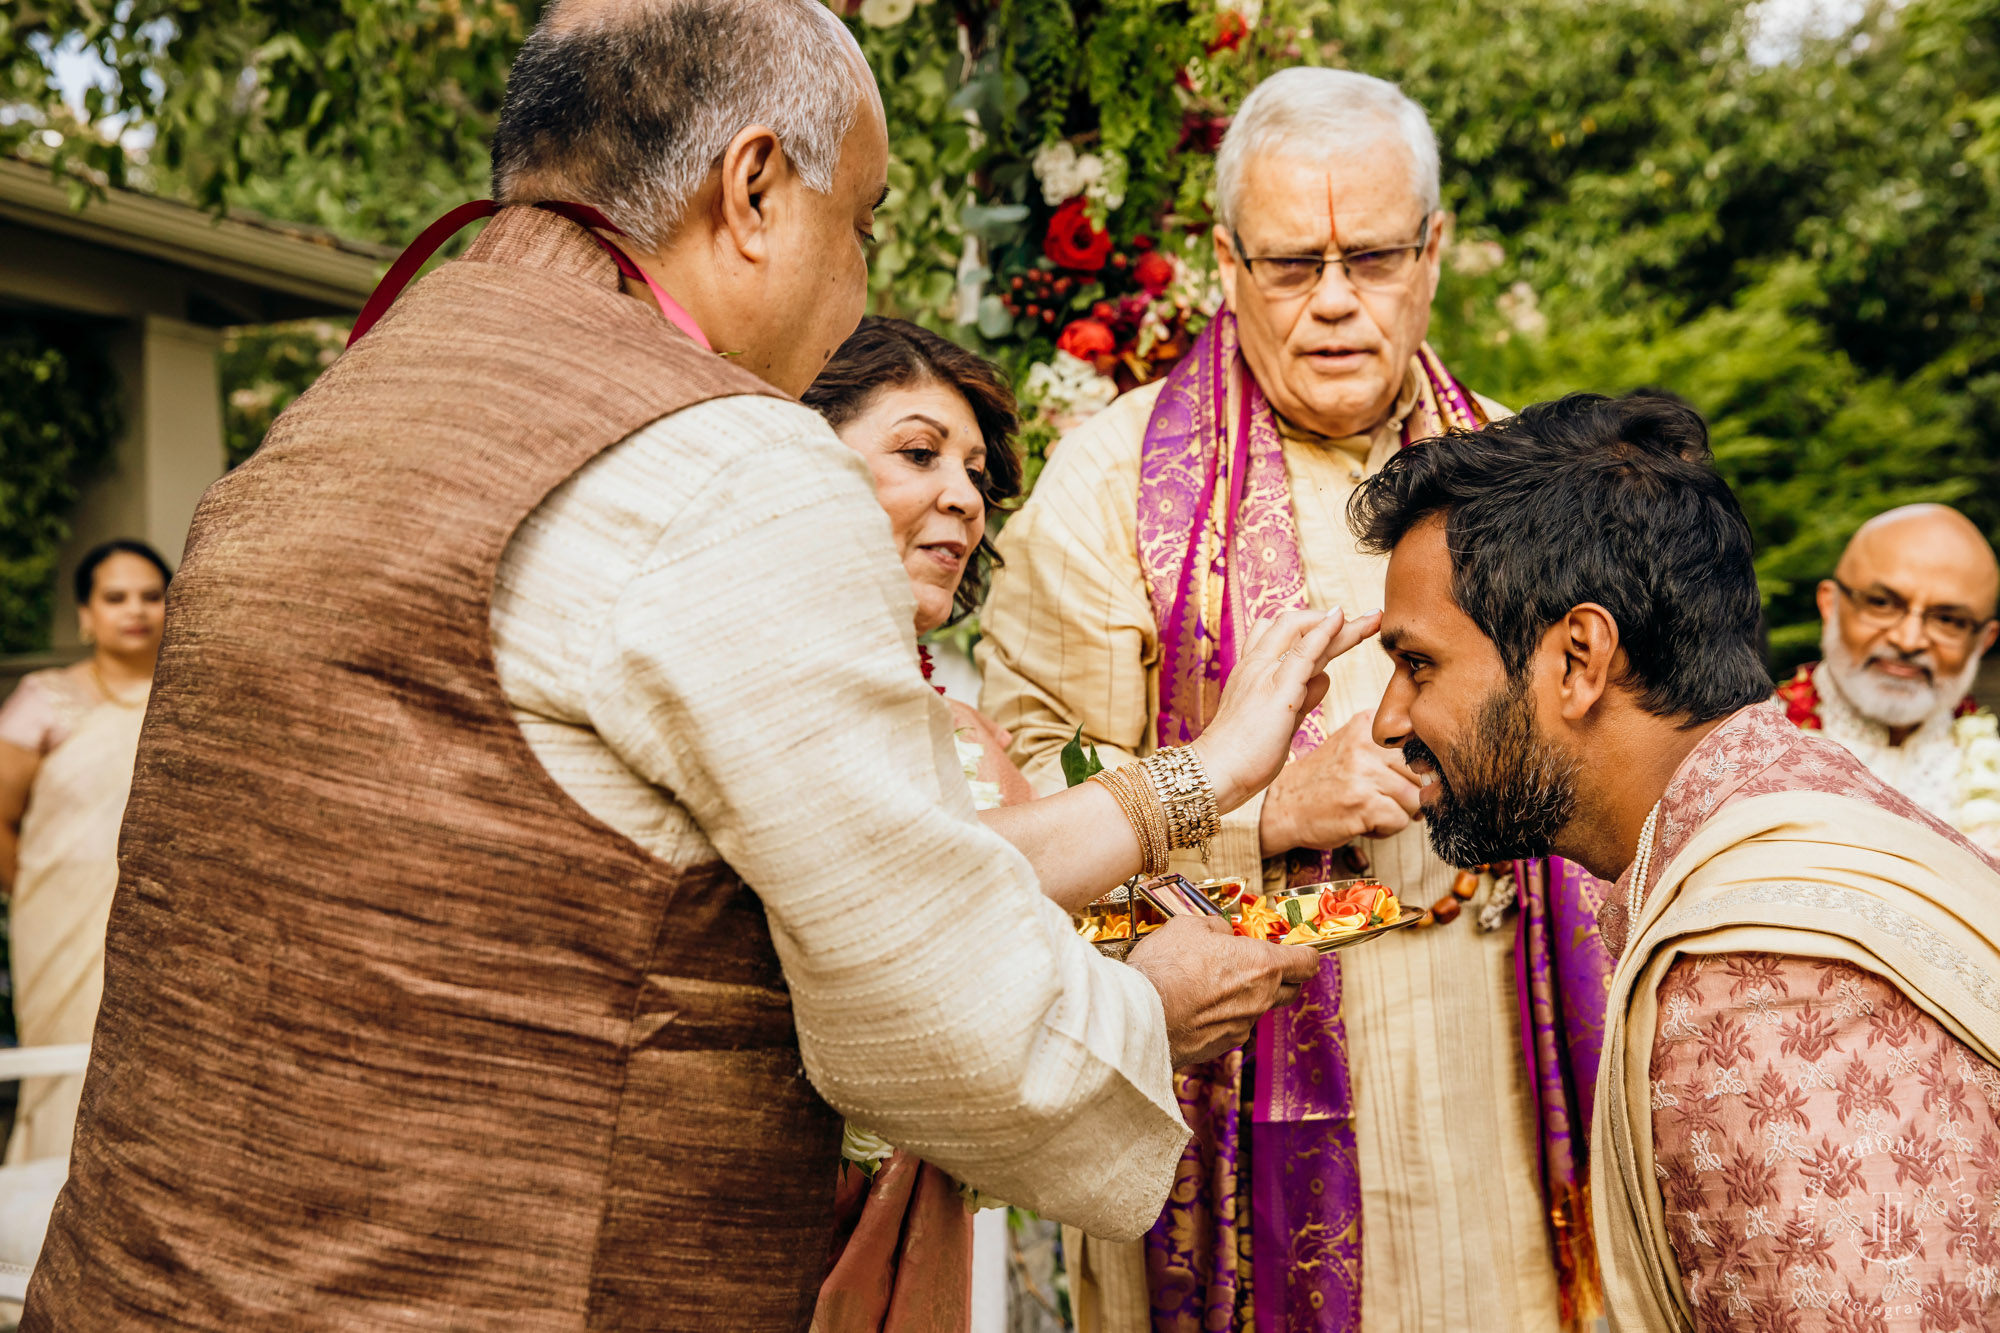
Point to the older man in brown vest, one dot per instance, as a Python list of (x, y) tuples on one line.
[(541, 828)]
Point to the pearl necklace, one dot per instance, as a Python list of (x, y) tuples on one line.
[(1642, 866)]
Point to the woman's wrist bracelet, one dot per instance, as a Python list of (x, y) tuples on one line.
[(1182, 784), (1132, 788)]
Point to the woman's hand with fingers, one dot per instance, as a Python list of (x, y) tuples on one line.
[(1280, 677)]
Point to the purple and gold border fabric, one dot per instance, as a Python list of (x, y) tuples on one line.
[(1221, 551)]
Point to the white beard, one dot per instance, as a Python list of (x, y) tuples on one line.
[(1885, 700)]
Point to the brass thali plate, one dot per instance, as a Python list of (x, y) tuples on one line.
[(1410, 917)]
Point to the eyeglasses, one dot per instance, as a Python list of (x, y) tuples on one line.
[(1878, 608), (1377, 269)]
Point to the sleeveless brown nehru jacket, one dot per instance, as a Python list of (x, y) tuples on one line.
[(394, 1035)]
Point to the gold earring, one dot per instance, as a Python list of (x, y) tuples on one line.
[(88, 635)]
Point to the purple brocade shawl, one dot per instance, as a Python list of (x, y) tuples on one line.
[(1562, 971), (1220, 550)]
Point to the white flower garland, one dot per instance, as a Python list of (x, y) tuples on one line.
[(1978, 737)]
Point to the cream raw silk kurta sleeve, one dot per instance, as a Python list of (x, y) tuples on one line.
[(1452, 1229), (707, 640)]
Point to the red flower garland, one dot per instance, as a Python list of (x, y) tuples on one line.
[(1801, 699)]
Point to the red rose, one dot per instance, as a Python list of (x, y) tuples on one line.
[(1230, 30), (1154, 271), (1088, 339), (1074, 241)]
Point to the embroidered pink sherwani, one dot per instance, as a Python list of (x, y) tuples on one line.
[(1827, 1153)]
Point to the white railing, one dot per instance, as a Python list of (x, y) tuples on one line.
[(28, 1189)]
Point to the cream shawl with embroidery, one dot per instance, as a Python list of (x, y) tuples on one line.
[(1803, 873)]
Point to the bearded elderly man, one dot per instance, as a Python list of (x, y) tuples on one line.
[(1370, 1160), (1798, 1114), (494, 947), (1905, 621)]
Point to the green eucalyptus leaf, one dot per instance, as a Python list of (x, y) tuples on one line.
[(994, 321), (993, 221)]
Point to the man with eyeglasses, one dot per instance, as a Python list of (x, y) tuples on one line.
[(1905, 621), (1375, 1156)]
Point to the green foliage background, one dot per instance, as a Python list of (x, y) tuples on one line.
[(1805, 249), (58, 417)]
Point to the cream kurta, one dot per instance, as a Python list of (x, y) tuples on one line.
[(1452, 1229), (660, 626)]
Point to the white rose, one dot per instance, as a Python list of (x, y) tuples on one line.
[(1095, 394), (886, 13), (1067, 383), (1984, 752), (1055, 166), (864, 1145)]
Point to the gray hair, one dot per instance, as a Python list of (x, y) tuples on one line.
[(629, 111), (1308, 112)]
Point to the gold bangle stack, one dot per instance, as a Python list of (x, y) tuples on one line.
[(1192, 818), (1132, 787)]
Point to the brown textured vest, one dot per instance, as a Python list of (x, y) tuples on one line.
[(394, 1035)]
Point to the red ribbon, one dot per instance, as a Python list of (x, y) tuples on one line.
[(435, 235)]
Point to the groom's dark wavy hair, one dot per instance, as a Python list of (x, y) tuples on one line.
[(1591, 499)]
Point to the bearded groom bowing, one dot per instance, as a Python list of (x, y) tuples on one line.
[(1798, 1114), (1372, 1159), (495, 948)]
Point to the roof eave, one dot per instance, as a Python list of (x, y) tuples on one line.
[(294, 265)]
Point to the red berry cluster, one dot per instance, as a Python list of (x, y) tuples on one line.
[(1038, 294)]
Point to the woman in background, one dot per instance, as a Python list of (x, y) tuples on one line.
[(67, 741)]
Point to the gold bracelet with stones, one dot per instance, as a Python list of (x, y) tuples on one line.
[(1192, 819), (1132, 788)]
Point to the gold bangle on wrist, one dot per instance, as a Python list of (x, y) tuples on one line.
[(1178, 777), (1132, 788)]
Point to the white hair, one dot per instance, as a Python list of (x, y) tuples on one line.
[(628, 110), (1308, 112)]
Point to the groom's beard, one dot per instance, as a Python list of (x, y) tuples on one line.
[(1515, 791)]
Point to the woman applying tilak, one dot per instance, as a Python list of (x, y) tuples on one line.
[(933, 423)]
